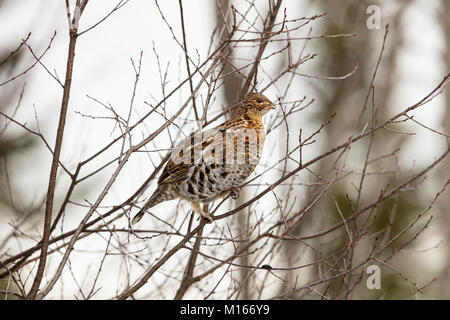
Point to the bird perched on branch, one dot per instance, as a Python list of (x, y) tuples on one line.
[(213, 163)]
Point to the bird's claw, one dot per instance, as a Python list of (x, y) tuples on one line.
[(207, 218), (235, 193)]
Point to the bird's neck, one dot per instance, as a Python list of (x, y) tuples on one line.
[(252, 119)]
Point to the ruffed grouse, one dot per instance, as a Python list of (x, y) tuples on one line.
[(212, 163)]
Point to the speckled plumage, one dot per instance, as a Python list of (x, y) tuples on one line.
[(209, 164)]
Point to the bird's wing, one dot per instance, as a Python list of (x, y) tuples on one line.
[(173, 173), (186, 155)]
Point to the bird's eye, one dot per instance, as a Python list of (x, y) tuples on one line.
[(259, 100)]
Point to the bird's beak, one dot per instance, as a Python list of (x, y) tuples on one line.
[(271, 107)]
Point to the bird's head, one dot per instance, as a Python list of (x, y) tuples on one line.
[(257, 104)]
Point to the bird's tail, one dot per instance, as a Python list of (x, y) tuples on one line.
[(162, 193)]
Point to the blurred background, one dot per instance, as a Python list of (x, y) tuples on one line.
[(416, 57)]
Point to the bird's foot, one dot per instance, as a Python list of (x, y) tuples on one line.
[(203, 215), (207, 217), (235, 193)]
